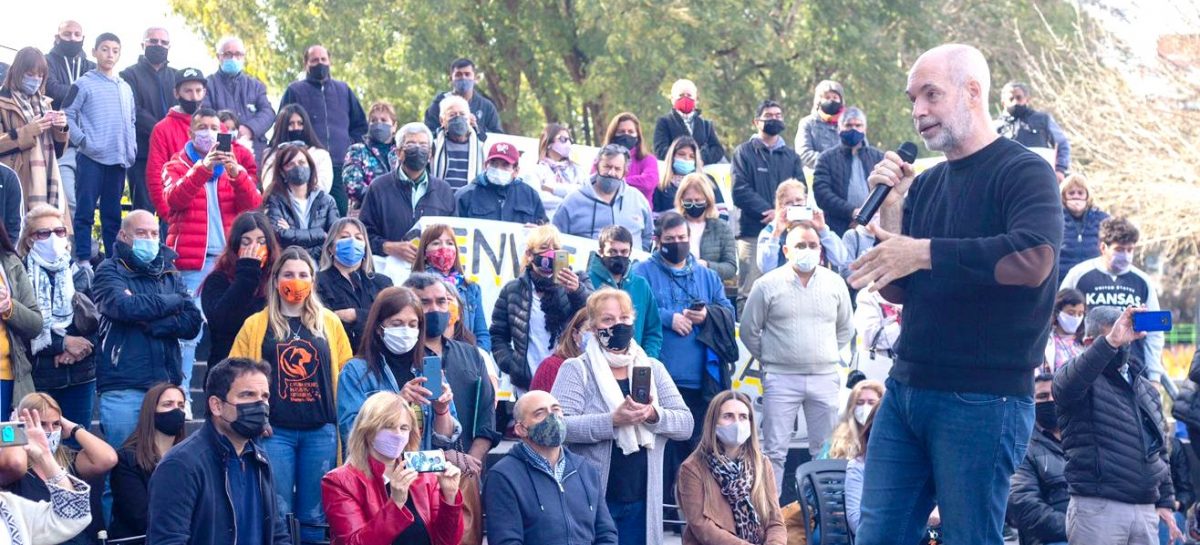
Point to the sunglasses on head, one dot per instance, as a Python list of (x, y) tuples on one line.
[(43, 234)]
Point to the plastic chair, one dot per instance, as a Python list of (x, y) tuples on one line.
[(821, 484)]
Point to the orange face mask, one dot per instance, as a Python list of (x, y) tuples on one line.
[(262, 256), (295, 290)]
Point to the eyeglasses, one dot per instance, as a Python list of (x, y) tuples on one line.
[(695, 204), (414, 147), (156, 41), (43, 234), (232, 55)]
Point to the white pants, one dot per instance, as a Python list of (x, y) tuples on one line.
[(784, 396)]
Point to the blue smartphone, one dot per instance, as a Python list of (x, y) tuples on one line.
[(1152, 320), (432, 370)]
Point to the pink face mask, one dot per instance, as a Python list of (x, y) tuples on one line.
[(389, 443)]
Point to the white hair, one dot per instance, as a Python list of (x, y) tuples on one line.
[(416, 127), (451, 100), (682, 85), (146, 34), (226, 40)]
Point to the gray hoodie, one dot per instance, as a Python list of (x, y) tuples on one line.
[(583, 214)]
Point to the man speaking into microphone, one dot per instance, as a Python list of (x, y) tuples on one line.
[(970, 248)]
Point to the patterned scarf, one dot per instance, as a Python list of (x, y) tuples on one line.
[(559, 168), (42, 185), (54, 296), (735, 479)]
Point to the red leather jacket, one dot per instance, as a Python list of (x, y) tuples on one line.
[(360, 512), (187, 203)]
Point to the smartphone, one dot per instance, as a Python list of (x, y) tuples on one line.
[(1152, 320), (225, 142), (799, 213), (639, 385), (426, 461), (432, 370), (12, 434), (561, 261), (696, 305)]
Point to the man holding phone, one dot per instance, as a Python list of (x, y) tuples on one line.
[(1112, 280)]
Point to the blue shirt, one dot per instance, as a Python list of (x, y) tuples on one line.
[(241, 474)]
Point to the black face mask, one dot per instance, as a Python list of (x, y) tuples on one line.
[(626, 140), (189, 106), (416, 158), (68, 49), (831, 107), (1018, 111), (695, 210), (251, 418), (435, 323), (675, 252), (616, 264), (615, 338), (1046, 415), (772, 126), (156, 54), (318, 72), (295, 136), (170, 422)]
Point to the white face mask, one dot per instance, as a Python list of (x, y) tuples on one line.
[(498, 177), (1069, 323), (400, 340), (734, 434), (805, 260), (54, 438), (861, 412), (51, 249)]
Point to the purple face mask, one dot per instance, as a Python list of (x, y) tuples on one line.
[(389, 443), (204, 140)]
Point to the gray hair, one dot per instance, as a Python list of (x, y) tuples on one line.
[(416, 127), (1024, 87), (422, 280), (228, 40), (1099, 318), (852, 113), (451, 100), (613, 150), (146, 34)]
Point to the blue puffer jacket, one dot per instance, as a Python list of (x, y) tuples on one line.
[(525, 504), (145, 310), (1081, 239)]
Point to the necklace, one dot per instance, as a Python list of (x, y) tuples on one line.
[(295, 334)]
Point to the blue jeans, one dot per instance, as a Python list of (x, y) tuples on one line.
[(187, 347), (6, 400), (964, 446), (630, 520), (299, 458), (1164, 535), (119, 414), (77, 403), (106, 183)]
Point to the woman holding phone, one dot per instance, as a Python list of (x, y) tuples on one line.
[(305, 345), (32, 133), (375, 498)]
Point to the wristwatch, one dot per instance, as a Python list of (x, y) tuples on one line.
[(74, 430)]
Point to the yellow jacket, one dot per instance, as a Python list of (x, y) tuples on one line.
[(248, 343)]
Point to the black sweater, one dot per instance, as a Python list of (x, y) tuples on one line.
[(357, 293), (979, 319), (228, 303), (130, 489)]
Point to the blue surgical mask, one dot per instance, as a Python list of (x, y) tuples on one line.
[(683, 167), (31, 84), (233, 67), (145, 249), (349, 251)]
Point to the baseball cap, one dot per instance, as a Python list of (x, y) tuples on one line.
[(505, 151), (190, 74)]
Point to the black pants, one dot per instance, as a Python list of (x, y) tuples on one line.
[(139, 196), (338, 191), (678, 451)]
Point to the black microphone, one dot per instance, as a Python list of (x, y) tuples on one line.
[(908, 153)]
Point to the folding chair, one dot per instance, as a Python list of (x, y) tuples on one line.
[(821, 484)]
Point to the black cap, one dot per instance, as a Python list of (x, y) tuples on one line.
[(190, 74)]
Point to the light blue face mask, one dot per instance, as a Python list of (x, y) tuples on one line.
[(232, 67), (683, 167), (349, 251), (145, 249)]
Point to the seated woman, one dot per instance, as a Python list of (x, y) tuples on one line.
[(389, 359), (159, 428), (302, 214), (64, 513), (347, 283), (375, 499), (439, 255), (712, 240), (843, 444), (624, 438), (237, 286), (293, 125), (1066, 331), (793, 193), (726, 486), (556, 174), (682, 160)]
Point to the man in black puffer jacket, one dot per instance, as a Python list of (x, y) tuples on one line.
[(1118, 473), (1037, 506)]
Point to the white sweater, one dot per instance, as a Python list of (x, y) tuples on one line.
[(45, 523), (795, 329)]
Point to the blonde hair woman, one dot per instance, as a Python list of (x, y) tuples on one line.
[(845, 443), (305, 345), (93, 459), (727, 485), (624, 438), (375, 499), (712, 239)]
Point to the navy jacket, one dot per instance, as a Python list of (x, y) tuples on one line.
[(1081, 239), (388, 212), (831, 183), (757, 172), (189, 495), (145, 310), (517, 202), (153, 94), (59, 77), (672, 126), (487, 118), (525, 504), (336, 114)]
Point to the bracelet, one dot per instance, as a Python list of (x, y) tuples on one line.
[(75, 430), (441, 413), (57, 478)]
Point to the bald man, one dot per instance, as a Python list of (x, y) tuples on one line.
[(541, 492), (148, 310), (970, 248), (66, 61)]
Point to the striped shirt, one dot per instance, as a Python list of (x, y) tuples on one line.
[(458, 158)]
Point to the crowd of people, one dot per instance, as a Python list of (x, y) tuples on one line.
[(263, 228)]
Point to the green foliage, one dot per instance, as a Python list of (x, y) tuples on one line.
[(583, 61)]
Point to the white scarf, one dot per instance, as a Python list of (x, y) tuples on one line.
[(629, 438), (54, 297)]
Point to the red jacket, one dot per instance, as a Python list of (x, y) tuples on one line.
[(187, 204), (360, 512), (166, 140)]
